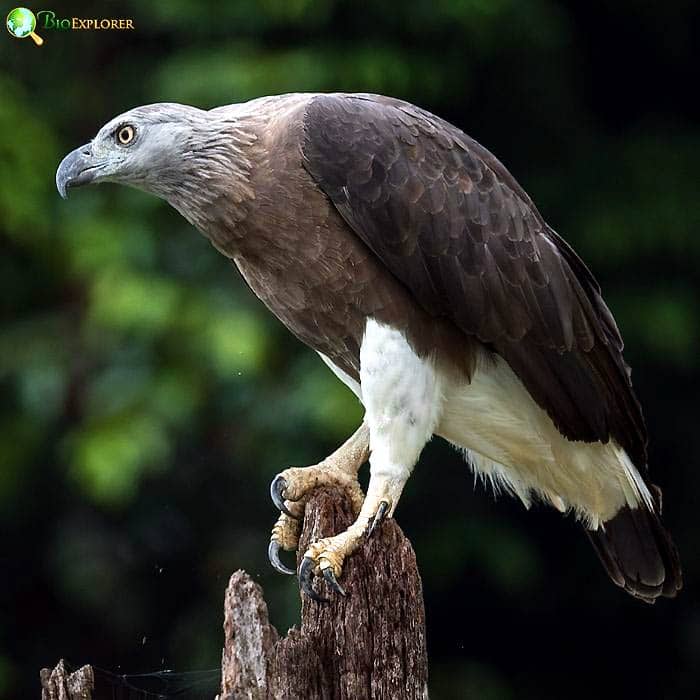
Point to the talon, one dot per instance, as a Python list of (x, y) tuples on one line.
[(277, 489), (273, 554), (378, 518), (332, 581), (306, 576)]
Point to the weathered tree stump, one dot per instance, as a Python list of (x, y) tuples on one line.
[(369, 645), (59, 684)]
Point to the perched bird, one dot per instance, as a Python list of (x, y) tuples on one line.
[(408, 257)]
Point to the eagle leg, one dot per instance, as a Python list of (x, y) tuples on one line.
[(289, 491), (402, 395)]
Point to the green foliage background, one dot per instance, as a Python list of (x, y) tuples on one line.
[(147, 398)]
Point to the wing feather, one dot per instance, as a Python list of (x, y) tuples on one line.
[(450, 222)]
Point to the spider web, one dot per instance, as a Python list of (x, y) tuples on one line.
[(157, 685)]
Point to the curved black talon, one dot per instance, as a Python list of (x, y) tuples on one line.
[(332, 581), (378, 518), (306, 575), (277, 489), (273, 554)]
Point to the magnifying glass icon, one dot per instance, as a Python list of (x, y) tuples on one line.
[(21, 23)]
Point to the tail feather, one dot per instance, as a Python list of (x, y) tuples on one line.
[(638, 553)]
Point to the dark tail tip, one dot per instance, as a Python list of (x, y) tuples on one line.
[(638, 553)]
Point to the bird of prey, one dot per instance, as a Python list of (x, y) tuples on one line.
[(407, 256)]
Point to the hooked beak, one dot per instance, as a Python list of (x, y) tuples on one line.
[(76, 169)]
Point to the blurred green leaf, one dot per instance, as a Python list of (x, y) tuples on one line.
[(109, 457), (26, 167), (234, 342), (130, 300)]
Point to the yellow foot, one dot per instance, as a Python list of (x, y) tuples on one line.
[(289, 491), (294, 484), (326, 557)]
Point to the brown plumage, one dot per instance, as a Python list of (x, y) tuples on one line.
[(338, 209)]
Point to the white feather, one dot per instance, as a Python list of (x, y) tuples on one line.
[(513, 442)]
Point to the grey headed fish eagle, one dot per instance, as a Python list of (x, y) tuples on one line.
[(408, 257)]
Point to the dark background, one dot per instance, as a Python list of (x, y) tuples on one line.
[(148, 399)]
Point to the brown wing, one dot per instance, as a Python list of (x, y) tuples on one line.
[(450, 222)]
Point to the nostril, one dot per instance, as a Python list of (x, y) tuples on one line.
[(86, 151)]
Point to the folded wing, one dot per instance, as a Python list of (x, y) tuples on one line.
[(450, 222)]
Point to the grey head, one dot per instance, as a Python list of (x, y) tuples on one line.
[(183, 154)]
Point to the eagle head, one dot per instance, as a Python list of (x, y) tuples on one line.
[(187, 156), (147, 148)]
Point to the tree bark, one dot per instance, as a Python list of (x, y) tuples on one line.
[(369, 645), (59, 684)]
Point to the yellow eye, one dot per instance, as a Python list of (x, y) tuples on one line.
[(125, 135)]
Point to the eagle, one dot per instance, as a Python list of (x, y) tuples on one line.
[(407, 256)]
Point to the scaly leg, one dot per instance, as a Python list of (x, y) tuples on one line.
[(403, 399), (290, 488)]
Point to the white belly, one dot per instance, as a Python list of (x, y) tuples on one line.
[(513, 443)]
